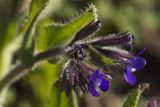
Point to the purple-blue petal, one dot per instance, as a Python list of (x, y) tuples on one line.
[(92, 89), (142, 51), (129, 76), (97, 79), (98, 72), (95, 75), (104, 85), (137, 62), (92, 77)]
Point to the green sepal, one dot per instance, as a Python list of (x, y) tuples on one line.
[(99, 59)]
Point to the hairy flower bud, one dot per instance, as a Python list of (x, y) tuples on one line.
[(87, 31), (73, 77), (115, 39)]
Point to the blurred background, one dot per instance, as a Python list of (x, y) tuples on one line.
[(139, 17)]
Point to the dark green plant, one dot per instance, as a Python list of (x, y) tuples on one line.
[(38, 39)]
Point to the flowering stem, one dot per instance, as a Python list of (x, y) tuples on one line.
[(11, 76), (49, 53), (19, 70)]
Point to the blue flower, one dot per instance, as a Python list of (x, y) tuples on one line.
[(135, 63), (97, 79)]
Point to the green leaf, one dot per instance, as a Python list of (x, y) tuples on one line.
[(55, 35), (42, 80), (54, 96), (36, 8), (134, 96), (58, 99), (68, 101), (8, 21), (10, 32), (8, 46)]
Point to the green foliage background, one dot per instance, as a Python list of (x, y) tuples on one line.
[(36, 89)]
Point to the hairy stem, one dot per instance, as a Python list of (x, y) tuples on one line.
[(19, 70), (11, 76), (48, 53)]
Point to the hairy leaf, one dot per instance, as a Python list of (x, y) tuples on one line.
[(134, 96), (36, 7), (62, 34)]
